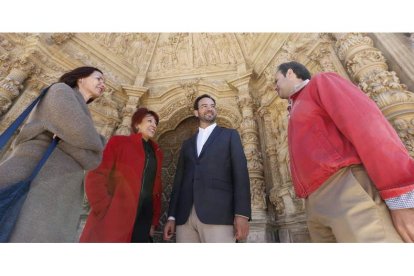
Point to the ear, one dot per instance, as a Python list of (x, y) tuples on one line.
[(290, 74), (196, 113)]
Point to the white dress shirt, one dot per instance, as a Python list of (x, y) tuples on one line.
[(203, 134)]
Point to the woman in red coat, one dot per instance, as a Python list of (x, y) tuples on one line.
[(124, 192)]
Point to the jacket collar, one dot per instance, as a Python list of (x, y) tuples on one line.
[(137, 138), (213, 135), (298, 88)]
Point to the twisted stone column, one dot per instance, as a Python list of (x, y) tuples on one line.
[(134, 95), (250, 139), (367, 66), (11, 85), (271, 153)]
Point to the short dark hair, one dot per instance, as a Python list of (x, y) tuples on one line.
[(202, 97), (299, 69), (71, 77), (139, 114)]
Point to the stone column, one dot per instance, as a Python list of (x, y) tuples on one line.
[(11, 85), (134, 95), (271, 153), (290, 220), (367, 66), (250, 140), (28, 96)]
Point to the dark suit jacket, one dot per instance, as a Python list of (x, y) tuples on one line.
[(216, 182)]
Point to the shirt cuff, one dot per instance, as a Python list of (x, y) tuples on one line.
[(403, 201), (237, 215), (171, 218)]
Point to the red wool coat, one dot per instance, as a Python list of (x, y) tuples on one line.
[(113, 190)]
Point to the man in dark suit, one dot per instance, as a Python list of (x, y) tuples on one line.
[(210, 199)]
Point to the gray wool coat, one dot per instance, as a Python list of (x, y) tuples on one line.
[(53, 206)]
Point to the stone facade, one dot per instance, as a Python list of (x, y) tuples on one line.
[(167, 71)]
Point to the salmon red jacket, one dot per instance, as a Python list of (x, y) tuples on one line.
[(333, 124)]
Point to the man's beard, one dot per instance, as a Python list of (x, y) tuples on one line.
[(208, 120)]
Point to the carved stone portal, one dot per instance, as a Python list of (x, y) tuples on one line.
[(167, 71)]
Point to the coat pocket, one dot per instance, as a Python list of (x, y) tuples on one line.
[(221, 184)]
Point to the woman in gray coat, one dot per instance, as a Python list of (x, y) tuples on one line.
[(53, 206)]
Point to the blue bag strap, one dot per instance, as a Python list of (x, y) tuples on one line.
[(45, 156), (8, 133)]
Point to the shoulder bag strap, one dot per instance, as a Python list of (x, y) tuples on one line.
[(8, 133), (45, 156)]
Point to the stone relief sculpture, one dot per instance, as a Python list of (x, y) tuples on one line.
[(405, 130), (172, 53), (282, 149), (105, 113), (133, 47)]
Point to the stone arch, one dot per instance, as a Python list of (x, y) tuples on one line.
[(178, 101)]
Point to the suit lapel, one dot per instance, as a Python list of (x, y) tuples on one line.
[(213, 135), (193, 144)]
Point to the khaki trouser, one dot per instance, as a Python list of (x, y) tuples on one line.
[(348, 208), (196, 231)]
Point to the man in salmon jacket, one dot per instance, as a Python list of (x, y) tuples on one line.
[(346, 160)]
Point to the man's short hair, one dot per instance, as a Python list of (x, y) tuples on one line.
[(202, 97), (299, 69)]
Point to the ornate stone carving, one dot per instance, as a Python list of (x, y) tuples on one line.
[(258, 193), (5, 64), (11, 85), (60, 38), (87, 59), (134, 94), (191, 91), (323, 56), (173, 52), (285, 201), (135, 48), (213, 49), (105, 113), (363, 61), (6, 44), (249, 136), (248, 42), (405, 130), (183, 52), (33, 89), (347, 43), (174, 105)]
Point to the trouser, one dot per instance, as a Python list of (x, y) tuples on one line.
[(196, 231), (142, 225), (348, 208)]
